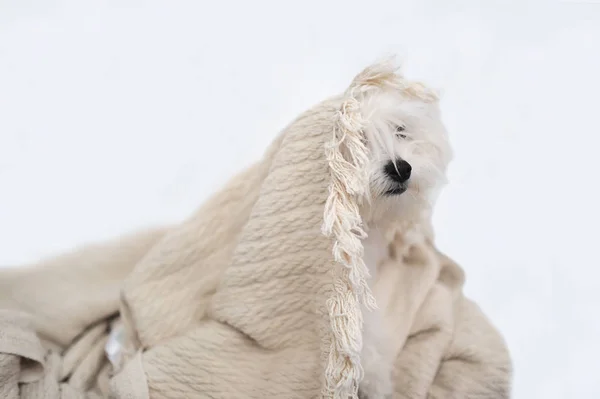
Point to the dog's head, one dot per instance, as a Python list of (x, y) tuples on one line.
[(408, 156)]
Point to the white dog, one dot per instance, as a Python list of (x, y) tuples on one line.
[(409, 154)]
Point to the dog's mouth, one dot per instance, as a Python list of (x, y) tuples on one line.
[(397, 189)]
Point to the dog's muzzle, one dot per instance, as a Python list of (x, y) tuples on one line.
[(398, 172)]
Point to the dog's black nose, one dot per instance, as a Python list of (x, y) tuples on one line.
[(400, 172)]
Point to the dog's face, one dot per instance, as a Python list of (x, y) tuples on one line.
[(409, 155)]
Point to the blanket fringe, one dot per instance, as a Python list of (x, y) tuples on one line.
[(348, 156)]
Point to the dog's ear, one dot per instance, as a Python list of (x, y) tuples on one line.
[(381, 74), (421, 91)]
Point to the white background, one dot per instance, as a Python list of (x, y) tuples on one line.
[(116, 115)]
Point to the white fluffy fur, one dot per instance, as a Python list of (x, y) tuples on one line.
[(427, 150)]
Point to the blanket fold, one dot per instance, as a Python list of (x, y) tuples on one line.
[(257, 295)]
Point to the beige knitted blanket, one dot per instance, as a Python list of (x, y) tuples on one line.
[(257, 295)]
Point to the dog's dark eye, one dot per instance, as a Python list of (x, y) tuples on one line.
[(399, 130)]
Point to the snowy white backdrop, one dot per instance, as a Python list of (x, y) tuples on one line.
[(117, 115)]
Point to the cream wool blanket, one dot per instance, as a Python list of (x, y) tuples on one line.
[(257, 295)]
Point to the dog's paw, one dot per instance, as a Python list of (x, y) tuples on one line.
[(362, 395), (376, 384)]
